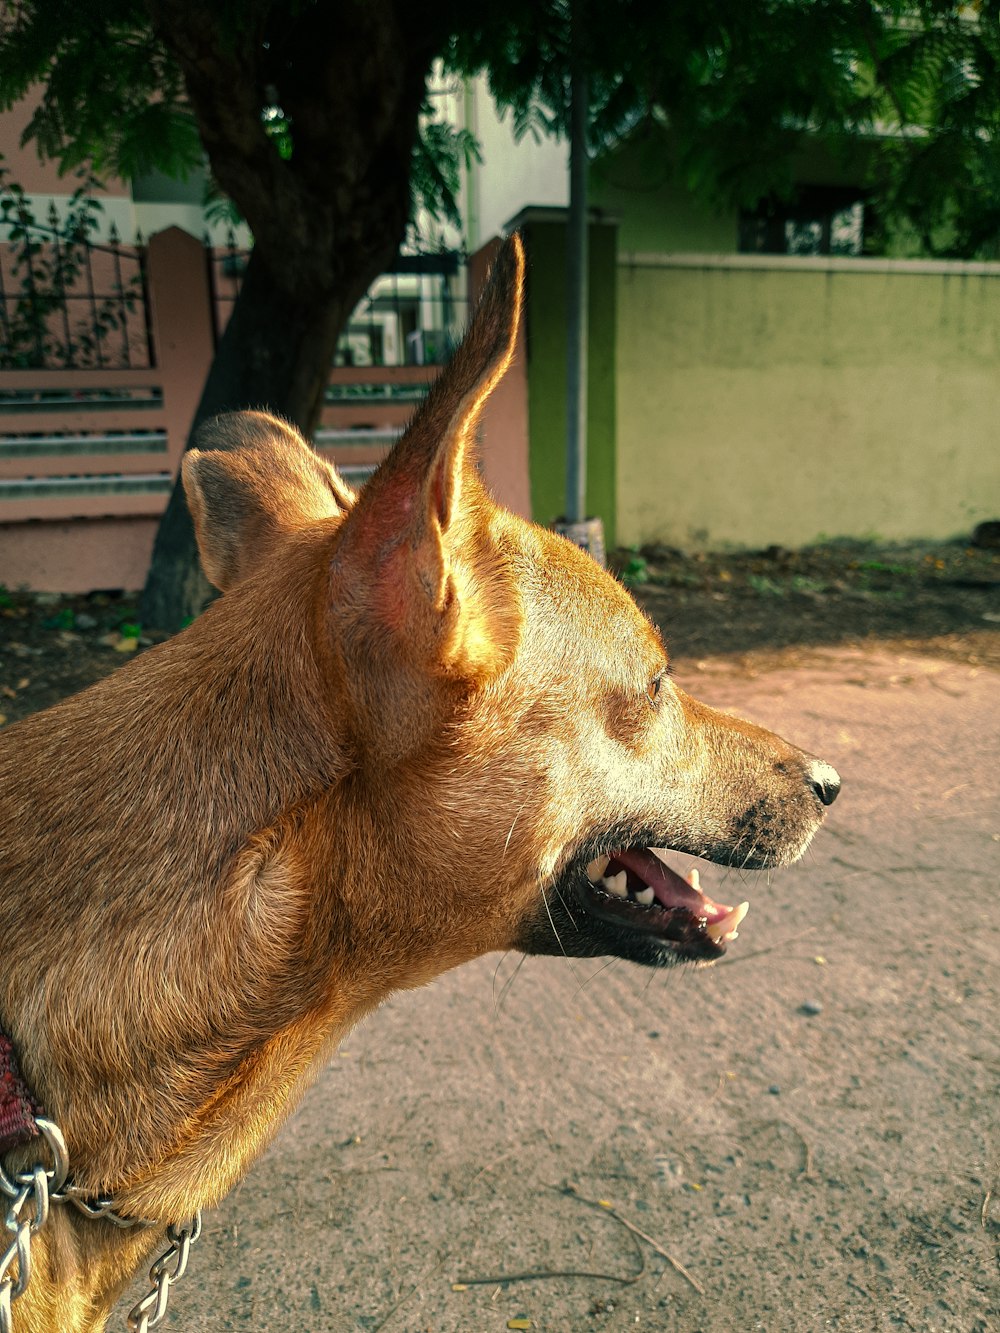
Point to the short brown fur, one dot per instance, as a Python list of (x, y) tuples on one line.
[(211, 861)]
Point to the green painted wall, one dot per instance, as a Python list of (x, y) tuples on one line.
[(637, 185), (776, 402), (640, 185), (546, 328)]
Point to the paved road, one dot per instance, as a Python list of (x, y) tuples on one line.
[(809, 1170)]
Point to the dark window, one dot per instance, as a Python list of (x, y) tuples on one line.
[(818, 220)]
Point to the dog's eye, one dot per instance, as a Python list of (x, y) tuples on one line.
[(653, 688)]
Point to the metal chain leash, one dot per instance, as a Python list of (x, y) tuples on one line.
[(169, 1268), (100, 1209), (32, 1192)]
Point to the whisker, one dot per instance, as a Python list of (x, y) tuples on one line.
[(498, 1003), (652, 972), (759, 953), (548, 912), (496, 973), (603, 968), (565, 906), (555, 932), (750, 853), (511, 832)]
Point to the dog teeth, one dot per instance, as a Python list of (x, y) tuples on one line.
[(726, 927), (645, 896), (694, 879), (597, 867), (616, 884)]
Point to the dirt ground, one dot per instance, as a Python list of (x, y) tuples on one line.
[(803, 1137), (756, 609)]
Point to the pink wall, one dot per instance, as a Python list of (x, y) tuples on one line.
[(77, 538), (23, 164), (78, 556), (504, 429)]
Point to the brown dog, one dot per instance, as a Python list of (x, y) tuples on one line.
[(415, 729)]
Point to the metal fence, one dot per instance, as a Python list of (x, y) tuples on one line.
[(89, 452), (69, 303), (411, 316)]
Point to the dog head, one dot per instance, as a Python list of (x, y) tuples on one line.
[(505, 713)]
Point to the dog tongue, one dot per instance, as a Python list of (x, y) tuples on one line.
[(668, 887)]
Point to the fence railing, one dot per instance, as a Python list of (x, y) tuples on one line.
[(81, 443), (88, 454), (68, 302), (411, 316), (96, 428)]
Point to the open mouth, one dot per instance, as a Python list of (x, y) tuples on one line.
[(637, 889)]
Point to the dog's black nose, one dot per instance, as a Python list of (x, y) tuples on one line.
[(824, 780)]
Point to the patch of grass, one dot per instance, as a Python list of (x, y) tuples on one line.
[(803, 583), (880, 567), (636, 571), (681, 579), (764, 586), (64, 618)]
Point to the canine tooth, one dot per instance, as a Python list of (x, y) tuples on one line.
[(727, 927), (645, 896), (597, 867), (617, 884), (694, 879)]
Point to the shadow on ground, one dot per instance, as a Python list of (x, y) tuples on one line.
[(764, 607), (942, 598)]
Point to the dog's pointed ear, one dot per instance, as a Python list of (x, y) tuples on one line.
[(420, 539), (250, 480)]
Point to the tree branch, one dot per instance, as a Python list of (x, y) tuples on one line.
[(215, 56)]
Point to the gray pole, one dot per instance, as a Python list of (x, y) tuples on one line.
[(576, 303)]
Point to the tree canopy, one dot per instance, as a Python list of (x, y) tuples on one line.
[(741, 86), (738, 85), (312, 117)]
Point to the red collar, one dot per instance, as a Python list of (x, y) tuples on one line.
[(18, 1109)]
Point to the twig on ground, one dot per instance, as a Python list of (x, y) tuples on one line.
[(611, 1211), (490, 1165), (413, 1290), (859, 1288), (543, 1274)]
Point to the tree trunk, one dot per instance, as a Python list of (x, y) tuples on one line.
[(253, 368), (327, 219)]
